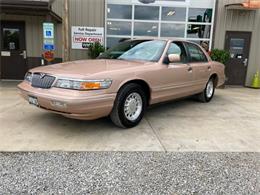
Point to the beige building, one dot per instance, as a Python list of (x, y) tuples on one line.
[(223, 24), (237, 29)]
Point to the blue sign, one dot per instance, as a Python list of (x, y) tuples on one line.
[(48, 33), (48, 47), (48, 30)]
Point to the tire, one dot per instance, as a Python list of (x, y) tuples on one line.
[(131, 100), (208, 92)]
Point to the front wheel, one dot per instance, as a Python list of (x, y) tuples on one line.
[(208, 92), (129, 106)]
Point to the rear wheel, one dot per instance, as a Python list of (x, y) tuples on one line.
[(208, 92), (129, 106)]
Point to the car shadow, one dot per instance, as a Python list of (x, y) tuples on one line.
[(98, 125), (180, 103)]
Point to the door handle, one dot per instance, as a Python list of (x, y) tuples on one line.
[(209, 68), (190, 69), (23, 54), (245, 62)]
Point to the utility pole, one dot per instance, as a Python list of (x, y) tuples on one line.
[(65, 32)]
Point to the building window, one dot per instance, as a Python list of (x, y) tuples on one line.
[(198, 31), (172, 30), (11, 39), (119, 11), (146, 12), (191, 20), (236, 47), (146, 29), (200, 15), (173, 14), (118, 28)]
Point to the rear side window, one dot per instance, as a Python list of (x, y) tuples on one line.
[(196, 54)]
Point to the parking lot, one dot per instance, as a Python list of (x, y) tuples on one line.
[(230, 123)]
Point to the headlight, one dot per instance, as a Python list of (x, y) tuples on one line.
[(83, 85), (28, 77)]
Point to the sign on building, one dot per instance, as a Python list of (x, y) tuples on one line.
[(48, 30), (48, 56), (82, 36), (48, 44), (48, 36)]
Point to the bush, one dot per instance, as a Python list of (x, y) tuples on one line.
[(95, 49), (221, 56)]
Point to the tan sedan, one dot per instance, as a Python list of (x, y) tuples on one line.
[(124, 80)]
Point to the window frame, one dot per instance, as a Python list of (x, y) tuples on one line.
[(184, 50)]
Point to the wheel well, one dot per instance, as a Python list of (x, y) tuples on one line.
[(144, 85), (215, 79)]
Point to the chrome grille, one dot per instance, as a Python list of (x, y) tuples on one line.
[(41, 80)]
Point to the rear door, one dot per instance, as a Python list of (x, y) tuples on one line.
[(201, 68), (13, 53)]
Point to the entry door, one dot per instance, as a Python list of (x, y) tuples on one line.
[(13, 53), (238, 44)]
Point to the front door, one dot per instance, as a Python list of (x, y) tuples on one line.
[(13, 53), (177, 76), (238, 44)]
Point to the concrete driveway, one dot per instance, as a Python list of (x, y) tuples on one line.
[(231, 122)]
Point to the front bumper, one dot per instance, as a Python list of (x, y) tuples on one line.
[(84, 105)]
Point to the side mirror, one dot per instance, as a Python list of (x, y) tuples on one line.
[(174, 58)]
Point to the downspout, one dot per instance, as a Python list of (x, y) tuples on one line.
[(215, 24)]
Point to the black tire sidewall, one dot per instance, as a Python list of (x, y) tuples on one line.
[(124, 93)]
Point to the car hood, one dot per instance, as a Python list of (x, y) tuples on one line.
[(83, 68)]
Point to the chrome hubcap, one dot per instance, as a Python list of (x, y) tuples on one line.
[(133, 106), (210, 89)]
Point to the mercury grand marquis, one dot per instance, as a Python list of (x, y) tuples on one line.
[(123, 81)]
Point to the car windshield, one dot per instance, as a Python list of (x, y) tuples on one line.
[(144, 50)]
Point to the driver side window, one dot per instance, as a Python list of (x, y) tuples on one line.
[(178, 48)]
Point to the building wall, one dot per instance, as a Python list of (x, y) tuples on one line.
[(82, 13), (92, 13), (239, 20), (34, 38), (34, 34)]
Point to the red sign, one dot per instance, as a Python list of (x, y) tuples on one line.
[(87, 39), (48, 56)]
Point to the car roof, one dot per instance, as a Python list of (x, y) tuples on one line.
[(161, 39)]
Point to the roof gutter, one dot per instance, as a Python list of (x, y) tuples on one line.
[(33, 8)]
